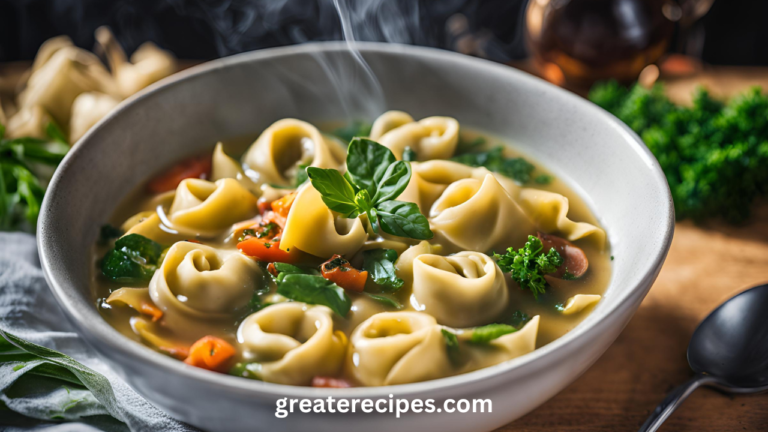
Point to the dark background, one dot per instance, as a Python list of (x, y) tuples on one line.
[(734, 32)]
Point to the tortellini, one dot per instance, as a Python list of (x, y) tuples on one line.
[(293, 342), (549, 211), (462, 290), (479, 215), (223, 166), (430, 138), (87, 109), (503, 348), (397, 348), (204, 208), (388, 121), (430, 179), (313, 228), (196, 283), (288, 144), (579, 302), (404, 263)]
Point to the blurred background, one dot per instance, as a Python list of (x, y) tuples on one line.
[(733, 32)]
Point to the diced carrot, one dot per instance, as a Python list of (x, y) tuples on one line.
[(340, 271), (210, 353), (272, 269), (283, 206), (267, 250), (328, 382), (149, 309), (196, 167)]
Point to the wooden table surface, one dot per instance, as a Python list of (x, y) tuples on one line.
[(706, 266)]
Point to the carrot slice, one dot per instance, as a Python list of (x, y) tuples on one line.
[(340, 271), (196, 167), (150, 309), (267, 250), (283, 206), (328, 382), (210, 353)]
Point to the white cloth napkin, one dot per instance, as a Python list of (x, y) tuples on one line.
[(29, 311)]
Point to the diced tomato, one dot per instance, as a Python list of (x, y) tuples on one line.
[(210, 353), (283, 206), (264, 205), (272, 269), (196, 167), (340, 271), (328, 382), (575, 261), (267, 250)]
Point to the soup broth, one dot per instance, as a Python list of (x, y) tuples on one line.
[(220, 270)]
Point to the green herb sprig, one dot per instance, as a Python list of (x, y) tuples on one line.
[(517, 169), (528, 265), (25, 164), (133, 259), (373, 180)]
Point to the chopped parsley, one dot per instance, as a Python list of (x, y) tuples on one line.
[(528, 265)]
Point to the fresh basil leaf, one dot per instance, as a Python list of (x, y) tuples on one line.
[(337, 193), (394, 182), (284, 269), (485, 334), (301, 175), (403, 219), (451, 345), (367, 162), (315, 290), (409, 155), (134, 258), (386, 301), (380, 264)]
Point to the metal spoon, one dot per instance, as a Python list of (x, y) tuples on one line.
[(728, 351)]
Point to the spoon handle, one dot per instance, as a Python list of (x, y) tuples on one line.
[(672, 401)]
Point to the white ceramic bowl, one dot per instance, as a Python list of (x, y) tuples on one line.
[(585, 146)]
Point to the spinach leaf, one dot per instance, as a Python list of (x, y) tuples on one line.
[(134, 258), (367, 163), (393, 183), (380, 264), (315, 290), (485, 334), (403, 219), (386, 301), (451, 346), (337, 193)]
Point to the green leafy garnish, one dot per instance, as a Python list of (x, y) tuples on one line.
[(387, 301), (485, 334), (373, 180), (464, 146), (516, 319), (314, 290), (713, 154), (246, 370), (569, 276), (543, 179), (109, 232), (134, 258), (409, 155), (352, 130), (25, 166), (380, 265), (518, 169), (451, 345), (301, 175), (528, 265)]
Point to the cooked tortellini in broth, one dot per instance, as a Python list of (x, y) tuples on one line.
[(461, 290), (479, 215), (419, 251), (293, 342), (283, 148)]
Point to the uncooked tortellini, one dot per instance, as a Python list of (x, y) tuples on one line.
[(463, 290), (204, 208), (313, 228), (87, 109), (293, 342), (397, 348), (549, 211), (286, 145), (479, 215), (430, 138), (196, 283)]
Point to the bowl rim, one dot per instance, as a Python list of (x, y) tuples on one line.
[(511, 369)]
